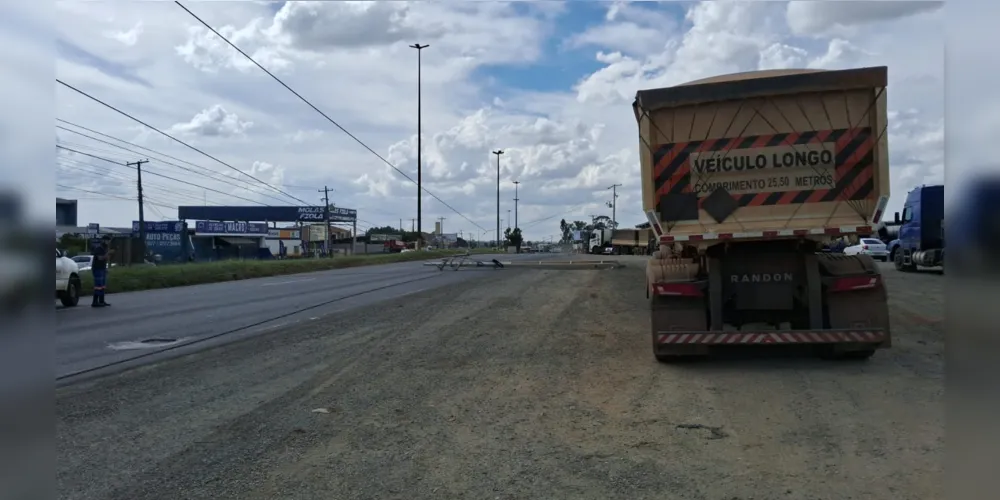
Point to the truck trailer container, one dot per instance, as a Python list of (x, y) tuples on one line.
[(745, 178)]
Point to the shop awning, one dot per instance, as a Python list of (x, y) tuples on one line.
[(235, 240)]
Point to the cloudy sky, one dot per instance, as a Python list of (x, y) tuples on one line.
[(550, 83)]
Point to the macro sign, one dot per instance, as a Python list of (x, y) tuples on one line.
[(231, 228)]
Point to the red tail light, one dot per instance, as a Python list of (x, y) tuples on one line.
[(852, 283), (685, 289), (865, 247)]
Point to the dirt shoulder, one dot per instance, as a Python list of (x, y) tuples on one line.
[(536, 384)]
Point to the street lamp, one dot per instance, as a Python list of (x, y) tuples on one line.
[(515, 203), (498, 153), (420, 192)]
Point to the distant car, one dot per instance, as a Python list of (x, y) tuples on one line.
[(67, 280), (869, 246), (85, 261)]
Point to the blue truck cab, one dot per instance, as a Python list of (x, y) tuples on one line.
[(921, 230)]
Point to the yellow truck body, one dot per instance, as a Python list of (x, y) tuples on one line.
[(763, 154)]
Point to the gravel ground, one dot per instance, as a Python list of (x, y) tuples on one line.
[(536, 384)]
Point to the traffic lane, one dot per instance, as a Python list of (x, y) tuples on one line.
[(217, 298), (115, 334), (209, 298), (233, 292), (170, 297)]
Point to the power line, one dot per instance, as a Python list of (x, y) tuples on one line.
[(324, 115), (161, 175), (574, 209), (106, 195), (173, 138), (214, 178), (75, 166)]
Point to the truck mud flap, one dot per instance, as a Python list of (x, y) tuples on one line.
[(675, 314)]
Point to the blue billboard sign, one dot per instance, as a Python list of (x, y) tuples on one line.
[(242, 228), (172, 226), (264, 213), (165, 238)]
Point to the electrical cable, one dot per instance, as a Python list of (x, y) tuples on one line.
[(174, 139), (159, 175), (324, 115), (223, 180)]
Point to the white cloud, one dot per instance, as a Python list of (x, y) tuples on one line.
[(127, 38), (566, 144), (818, 18), (213, 122)]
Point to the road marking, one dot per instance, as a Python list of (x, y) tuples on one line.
[(287, 282)]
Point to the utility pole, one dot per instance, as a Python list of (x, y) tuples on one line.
[(326, 216), (142, 217), (401, 225), (420, 188), (508, 218), (412, 227), (614, 204), (515, 203), (498, 153)]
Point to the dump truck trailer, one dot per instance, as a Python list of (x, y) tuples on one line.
[(745, 178)]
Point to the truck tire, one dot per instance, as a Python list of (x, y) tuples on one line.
[(70, 297), (898, 263)]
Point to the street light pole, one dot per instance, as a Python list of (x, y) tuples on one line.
[(614, 205), (498, 153), (515, 203), (420, 189)]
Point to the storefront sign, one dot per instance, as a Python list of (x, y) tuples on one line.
[(231, 228)]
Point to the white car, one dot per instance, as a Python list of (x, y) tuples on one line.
[(67, 280), (869, 246), (86, 261)]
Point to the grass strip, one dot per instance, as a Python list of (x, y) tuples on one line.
[(136, 278)]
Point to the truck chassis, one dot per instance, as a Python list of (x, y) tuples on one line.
[(777, 292)]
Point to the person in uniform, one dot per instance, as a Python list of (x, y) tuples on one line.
[(99, 269)]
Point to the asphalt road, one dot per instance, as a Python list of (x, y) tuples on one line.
[(162, 323), (534, 384)]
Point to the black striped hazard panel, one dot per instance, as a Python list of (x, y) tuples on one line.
[(775, 169)]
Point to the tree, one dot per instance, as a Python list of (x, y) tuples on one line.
[(566, 230), (513, 237), (603, 222)]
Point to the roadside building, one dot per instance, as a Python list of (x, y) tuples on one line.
[(284, 242), (214, 240)]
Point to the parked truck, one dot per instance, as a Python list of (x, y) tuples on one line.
[(920, 239), (600, 241), (745, 178)]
